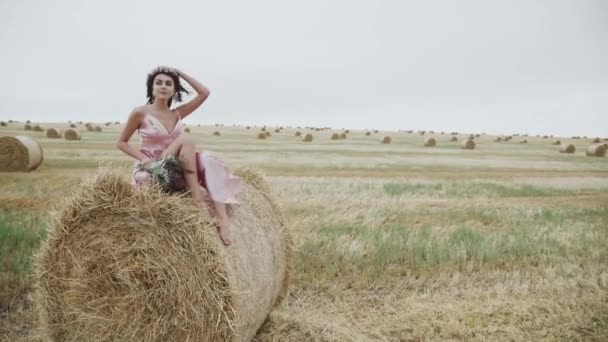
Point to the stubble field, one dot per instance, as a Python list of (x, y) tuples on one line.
[(394, 242)]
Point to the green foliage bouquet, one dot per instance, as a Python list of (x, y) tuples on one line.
[(168, 173)]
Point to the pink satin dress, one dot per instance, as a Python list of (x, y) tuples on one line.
[(213, 175)]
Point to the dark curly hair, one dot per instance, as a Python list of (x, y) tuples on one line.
[(179, 89)]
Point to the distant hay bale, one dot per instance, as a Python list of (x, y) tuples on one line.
[(88, 124), (596, 150), (216, 133), (376, 131), (261, 135), (27, 127), (499, 139), (72, 125), (453, 139), (335, 136), (187, 130), (567, 148), (122, 264), (596, 140), (53, 133), (108, 123), (468, 144), (37, 128), (386, 140), (477, 135), (556, 142), (368, 133), (3, 124), (117, 122), (277, 130), (89, 128), (347, 131), (298, 134), (307, 137), (248, 127), (263, 129), (343, 136), (19, 153), (98, 129), (523, 141), (267, 133), (72, 134), (430, 142)]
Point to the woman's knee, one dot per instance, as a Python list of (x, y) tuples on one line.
[(186, 140)]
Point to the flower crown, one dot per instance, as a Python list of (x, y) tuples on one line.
[(164, 70)]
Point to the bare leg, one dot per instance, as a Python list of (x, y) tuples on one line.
[(184, 147), (222, 220)]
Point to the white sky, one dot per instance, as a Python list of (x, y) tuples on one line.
[(512, 66)]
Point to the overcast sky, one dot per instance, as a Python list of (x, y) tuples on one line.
[(537, 67)]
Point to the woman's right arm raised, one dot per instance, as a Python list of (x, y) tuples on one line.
[(135, 119)]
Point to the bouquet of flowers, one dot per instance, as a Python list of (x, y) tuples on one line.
[(168, 173)]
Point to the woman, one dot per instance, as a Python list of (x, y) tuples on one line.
[(161, 135)]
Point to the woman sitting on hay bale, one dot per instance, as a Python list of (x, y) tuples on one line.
[(162, 140)]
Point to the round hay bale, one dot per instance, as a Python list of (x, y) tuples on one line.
[(263, 129), (27, 127), (277, 130), (557, 142), (72, 134), (89, 128), (248, 127), (343, 136), (267, 133), (3, 124), (523, 141), (261, 135), (108, 123), (19, 153), (307, 137), (122, 264), (335, 136), (568, 148), (37, 128), (216, 133), (499, 139), (596, 150), (468, 144), (347, 131), (453, 139), (430, 142), (298, 134), (88, 124), (386, 140), (187, 129), (53, 133), (368, 133), (376, 131), (596, 141), (72, 125), (98, 129)]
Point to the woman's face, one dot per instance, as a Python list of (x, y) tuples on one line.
[(163, 87)]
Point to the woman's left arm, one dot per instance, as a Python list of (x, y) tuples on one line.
[(202, 93)]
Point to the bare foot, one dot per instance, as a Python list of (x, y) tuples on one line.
[(224, 228)]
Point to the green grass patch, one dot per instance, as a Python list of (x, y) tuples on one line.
[(375, 255), (469, 190), (20, 236)]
